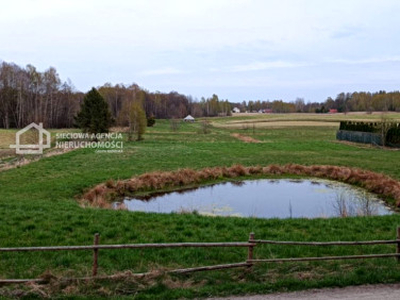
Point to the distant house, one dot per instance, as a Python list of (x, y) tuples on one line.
[(236, 110), (189, 118), (333, 111), (268, 111)]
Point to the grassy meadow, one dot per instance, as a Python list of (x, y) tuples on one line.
[(39, 207)]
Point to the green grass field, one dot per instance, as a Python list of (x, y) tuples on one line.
[(38, 205)]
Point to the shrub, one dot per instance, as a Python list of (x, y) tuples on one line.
[(151, 121), (390, 131)]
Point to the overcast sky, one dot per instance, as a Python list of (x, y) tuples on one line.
[(244, 49)]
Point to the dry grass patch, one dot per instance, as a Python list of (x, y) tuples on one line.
[(122, 283), (7, 138), (276, 124), (244, 138), (20, 161), (6, 153)]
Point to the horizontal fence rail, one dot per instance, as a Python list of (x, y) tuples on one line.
[(128, 246), (360, 243), (209, 268), (248, 263), (344, 257)]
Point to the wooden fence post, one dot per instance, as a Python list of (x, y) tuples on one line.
[(250, 252), (95, 254), (398, 244)]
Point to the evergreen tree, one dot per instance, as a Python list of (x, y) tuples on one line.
[(151, 121), (95, 116)]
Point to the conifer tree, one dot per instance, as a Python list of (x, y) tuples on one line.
[(95, 116)]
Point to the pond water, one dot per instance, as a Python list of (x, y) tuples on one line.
[(266, 198)]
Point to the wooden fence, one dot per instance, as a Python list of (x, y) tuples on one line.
[(249, 262)]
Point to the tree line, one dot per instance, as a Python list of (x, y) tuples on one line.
[(172, 105), (28, 95), (344, 102)]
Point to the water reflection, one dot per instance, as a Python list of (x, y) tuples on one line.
[(363, 204), (266, 199)]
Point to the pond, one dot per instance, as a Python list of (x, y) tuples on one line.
[(266, 198)]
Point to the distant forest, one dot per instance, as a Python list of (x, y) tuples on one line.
[(344, 102), (27, 95)]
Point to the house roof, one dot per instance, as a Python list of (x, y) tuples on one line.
[(189, 117)]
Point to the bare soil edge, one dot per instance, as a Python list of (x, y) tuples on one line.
[(245, 138), (103, 194), (20, 161)]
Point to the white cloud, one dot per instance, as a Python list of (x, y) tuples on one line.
[(235, 40), (163, 71), (363, 61), (258, 66)]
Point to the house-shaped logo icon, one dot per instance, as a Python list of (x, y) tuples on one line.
[(32, 148)]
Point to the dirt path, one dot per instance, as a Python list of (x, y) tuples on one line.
[(244, 138), (21, 161), (364, 292)]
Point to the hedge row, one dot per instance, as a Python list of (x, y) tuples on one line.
[(392, 135), (359, 126)]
